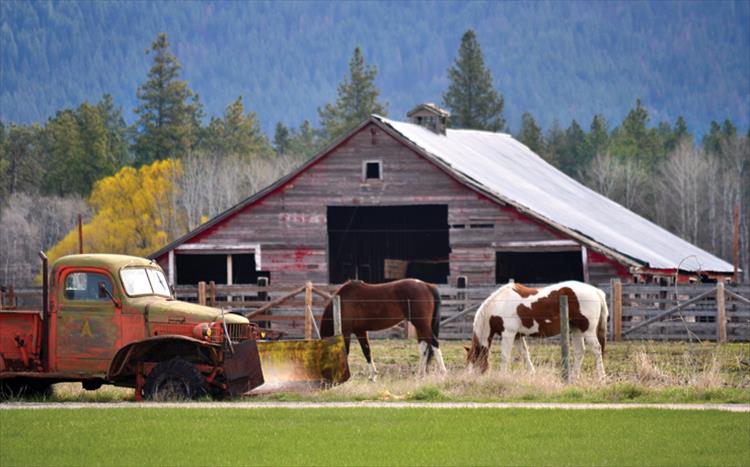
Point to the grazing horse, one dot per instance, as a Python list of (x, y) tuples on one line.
[(515, 311), (372, 307)]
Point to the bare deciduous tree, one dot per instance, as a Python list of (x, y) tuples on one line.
[(31, 223), (211, 184)]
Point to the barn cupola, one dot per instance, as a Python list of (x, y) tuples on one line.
[(430, 116)]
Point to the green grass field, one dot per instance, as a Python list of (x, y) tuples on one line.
[(367, 436)]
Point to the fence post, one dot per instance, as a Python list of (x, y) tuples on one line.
[(308, 310), (212, 293), (721, 313), (565, 338), (201, 293), (336, 315), (616, 310)]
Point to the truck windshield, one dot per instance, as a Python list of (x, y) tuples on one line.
[(144, 281)]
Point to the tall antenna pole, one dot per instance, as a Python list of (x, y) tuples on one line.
[(80, 235), (736, 242)]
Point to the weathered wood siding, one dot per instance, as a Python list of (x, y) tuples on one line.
[(291, 223)]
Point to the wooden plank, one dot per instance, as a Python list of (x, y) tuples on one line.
[(201, 293), (274, 303), (721, 314), (565, 338), (616, 310), (666, 313), (308, 311)]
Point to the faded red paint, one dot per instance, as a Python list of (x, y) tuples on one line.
[(598, 258), (301, 253), (518, 215)]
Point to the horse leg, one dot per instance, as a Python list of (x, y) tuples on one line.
[(595, 347), (347, 341), (364, 342), (424, 354), (524, 350), (578, 349), (506, 347), (438, 356)]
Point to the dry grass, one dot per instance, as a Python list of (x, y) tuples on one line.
[(636, 371)]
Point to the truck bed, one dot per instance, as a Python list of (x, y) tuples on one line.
[(19, 327)]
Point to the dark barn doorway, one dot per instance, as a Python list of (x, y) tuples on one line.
[(193, 268), (538, 267), (381, 243)]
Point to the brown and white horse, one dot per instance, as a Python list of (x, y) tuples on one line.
[(515, 311), (373, 307)]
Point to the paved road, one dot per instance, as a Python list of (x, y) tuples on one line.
[(391, 405)]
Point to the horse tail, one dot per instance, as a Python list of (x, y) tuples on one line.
[(435, 313), (601, 330), (326, 321)]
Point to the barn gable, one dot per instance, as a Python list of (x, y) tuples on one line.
[(379, 204)]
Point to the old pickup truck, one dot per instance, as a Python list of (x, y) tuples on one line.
[(112, 319)]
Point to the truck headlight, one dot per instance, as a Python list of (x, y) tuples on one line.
[(202, 331)]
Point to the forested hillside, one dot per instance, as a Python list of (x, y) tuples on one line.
[(556, 60)]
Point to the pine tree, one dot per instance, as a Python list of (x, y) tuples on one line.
[(555, 144), (281, 140), (168, 112), (598, 137), (728, 130), (681, 129), (634, 140), (77, 146), (21, 159), (236, 134), (242, 132), (117, 147), (357, 98), (471, 98), (576, 152), (306, 141), (712, 140), (531, 134)]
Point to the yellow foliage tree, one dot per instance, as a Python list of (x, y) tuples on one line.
[(136, 213)]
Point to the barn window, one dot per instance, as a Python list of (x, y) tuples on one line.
[(538, 267), (194, 268), (372, 170)]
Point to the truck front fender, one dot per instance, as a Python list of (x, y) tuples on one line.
[(160, 348)]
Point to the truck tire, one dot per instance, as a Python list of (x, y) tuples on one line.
[(174, 379)]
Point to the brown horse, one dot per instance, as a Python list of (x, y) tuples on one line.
[(372, 307)]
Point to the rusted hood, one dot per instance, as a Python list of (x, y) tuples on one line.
[(163, 310)]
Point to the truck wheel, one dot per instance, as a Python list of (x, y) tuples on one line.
[(174, 379)]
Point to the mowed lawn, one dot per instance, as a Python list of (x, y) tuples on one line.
[(372, 436)]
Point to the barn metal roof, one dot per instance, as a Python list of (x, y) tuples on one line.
[(507, 170)]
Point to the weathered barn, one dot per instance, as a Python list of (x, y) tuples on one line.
[(393, 199)]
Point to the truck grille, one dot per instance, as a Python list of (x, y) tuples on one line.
[(239, 332)]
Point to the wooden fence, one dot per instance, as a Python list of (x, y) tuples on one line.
[(698, 311), (714, 312)]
